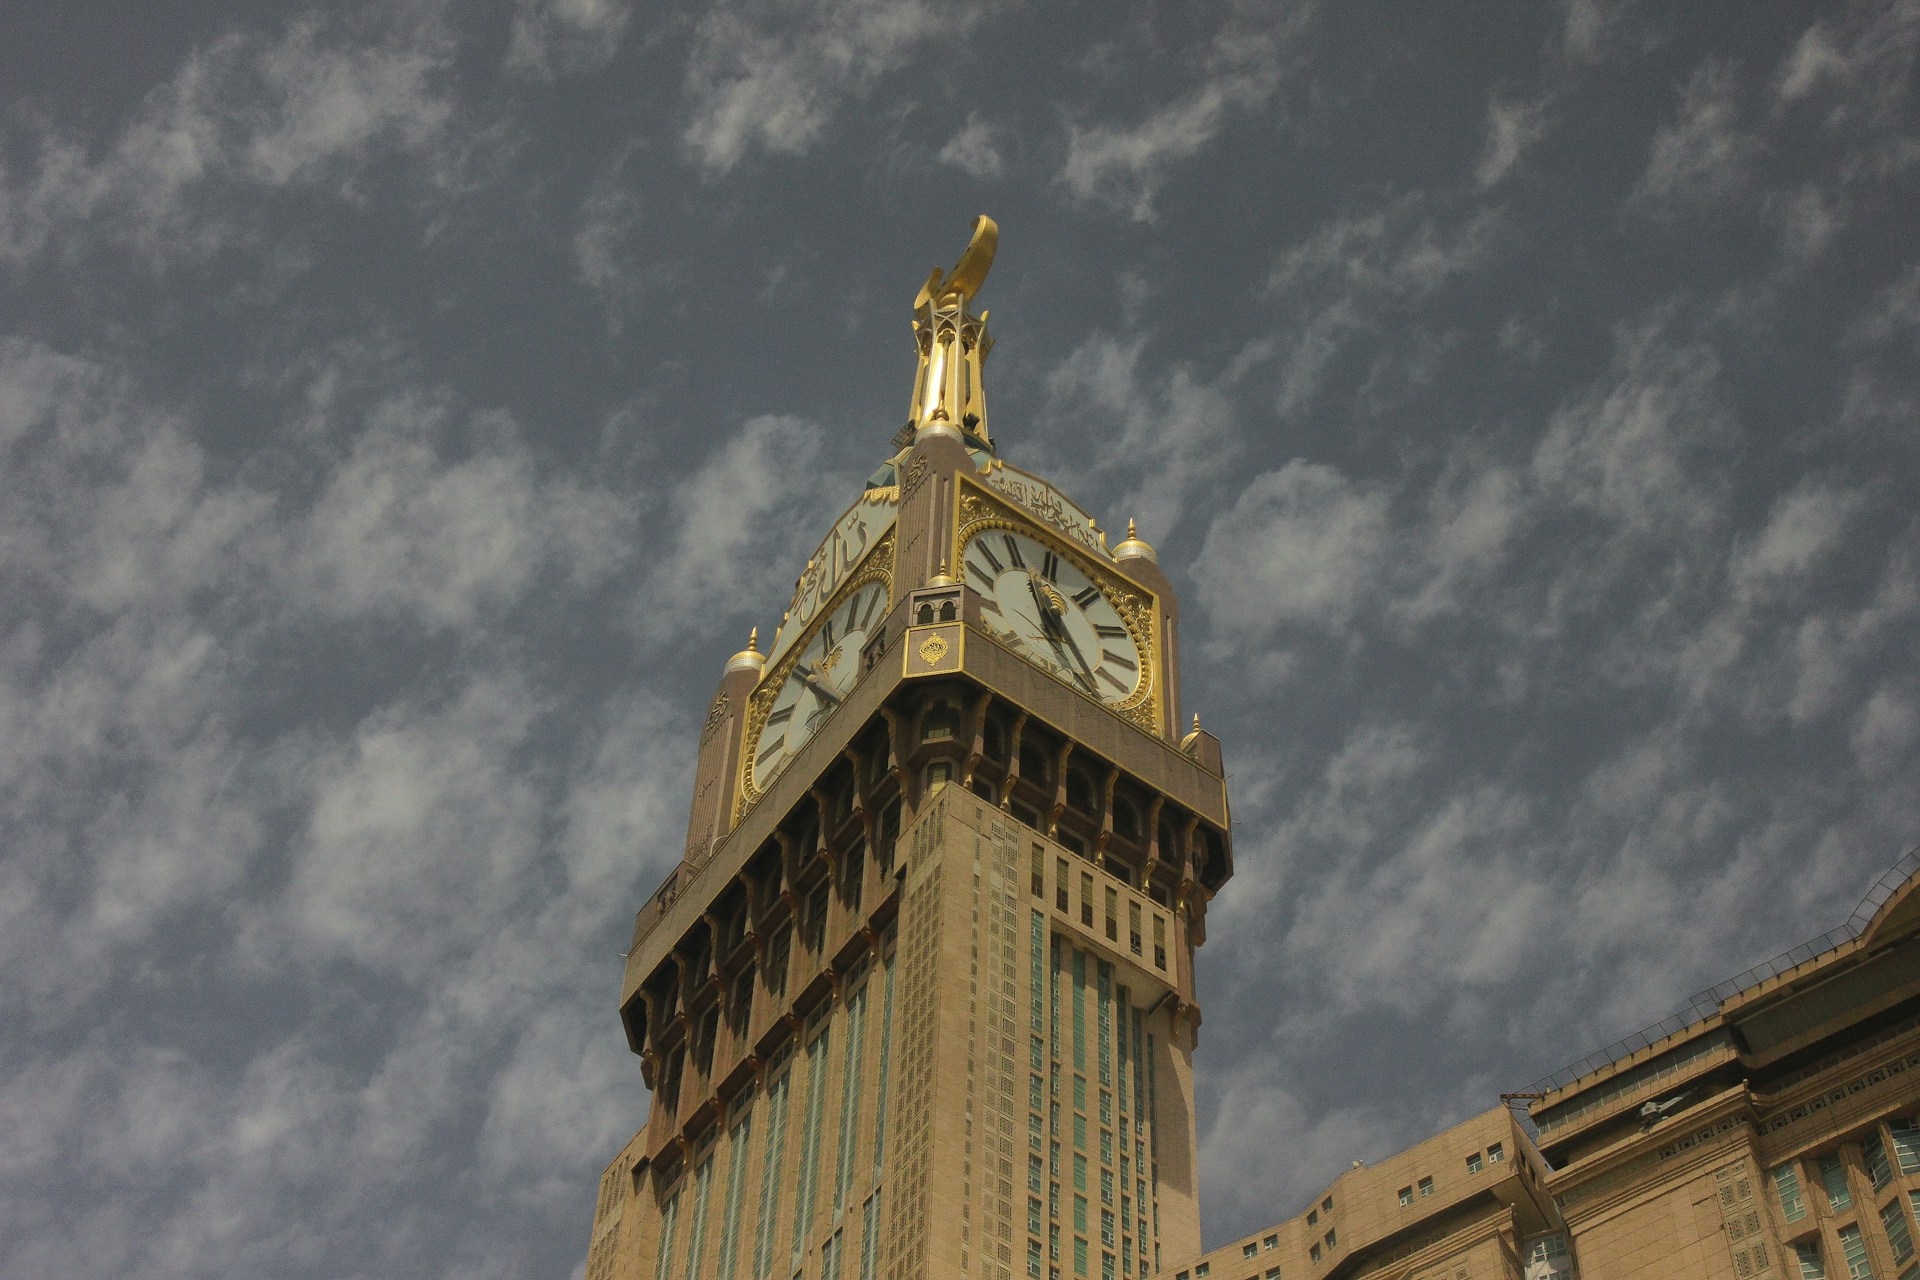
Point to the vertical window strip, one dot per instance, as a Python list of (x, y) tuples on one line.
[(1037, 949), (1906, 1144), (1854, 1248), (1875, 1153), (1106, 1023), (1812, 1266), (1079, 1009), (1139, 1076), (810, 1139), (739, 1150), (1786, 1184), (880, 1092), (850, 1097), (1894, 1219), (669, 1218), (770, 1173), (830, 1258), (697, 1228), (1053, 1002), (869, 1236), (1833, 1180)]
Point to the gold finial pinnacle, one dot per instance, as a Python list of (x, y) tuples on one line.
[(1130, 529), (1196, 722), (953, 342), (753, 640)]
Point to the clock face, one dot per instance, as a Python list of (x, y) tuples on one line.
[(1046, 608), (823, 668)]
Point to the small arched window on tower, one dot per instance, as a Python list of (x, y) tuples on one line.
[(1080, 793), (1033, 764), (940, 722), (993, 740), (924, 617), (1126, 819), (949, 611)]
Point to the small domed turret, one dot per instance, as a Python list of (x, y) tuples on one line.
[(749, 658), (1135, 548), (942, 578)]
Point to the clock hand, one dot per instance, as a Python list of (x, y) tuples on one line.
[(1055, 629), (813, 682)]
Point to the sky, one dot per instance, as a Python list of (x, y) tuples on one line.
[(405, 409)]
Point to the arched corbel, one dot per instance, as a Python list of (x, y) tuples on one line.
[(977, 719), (1059, 788), (1013, 758)]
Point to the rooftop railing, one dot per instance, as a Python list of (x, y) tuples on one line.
[(1706, 1004)]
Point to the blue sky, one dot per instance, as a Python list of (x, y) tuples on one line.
[(407, 408)]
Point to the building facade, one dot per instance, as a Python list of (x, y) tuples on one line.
[(918, 1000)]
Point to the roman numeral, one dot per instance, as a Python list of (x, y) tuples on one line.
[(873, 603), (826, 636), (1119, 659), (1111, 679), (1050, 567), (986, 553), (770, 752), (1107, 631), (1013, 551), (781, 716), (1086, 597), (989, 605), (986, 578)]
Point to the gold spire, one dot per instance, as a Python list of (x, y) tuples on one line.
[(953, 342), (749, 658)]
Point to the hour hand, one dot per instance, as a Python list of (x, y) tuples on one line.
[(806, 677)]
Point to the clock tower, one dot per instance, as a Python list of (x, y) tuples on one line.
[(917, 1003)]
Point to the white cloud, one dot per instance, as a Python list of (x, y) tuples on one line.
[(972, 150), (752, 85), (560, 37), (243, 115), (400, 530), (1705, 156), (1298, 548), (1512, 129)]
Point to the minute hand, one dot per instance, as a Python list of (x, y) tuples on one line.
[(1056, 628), (813, 682)]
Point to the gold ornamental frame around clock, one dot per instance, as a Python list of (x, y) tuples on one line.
[(876, 567), (978, 510)]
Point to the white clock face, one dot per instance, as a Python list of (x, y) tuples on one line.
[(1039, 603), (825, 668)]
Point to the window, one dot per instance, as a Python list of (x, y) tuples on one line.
[(1855, 1250), (1200, 1271), (1060, 884), (1313, 1217), (1333, 1238), (1473, 1163), (1273, 1273), (1326, 1206), (1875, 1153), (1906, 1144), (1833, 1180), (1106, 1227), (1313, 1251), (1786, 1185), (1039, 872), (1079, 1257), (1406, 1196), (1812, 1267), (1271, 1242), (1079, 1213), (1495, 1153), (1548, 1248), (939, 774), (1894, 1219), (1248, 1249), (1426, 1186), (1086, 900)]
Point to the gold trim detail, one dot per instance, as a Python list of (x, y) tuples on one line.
[(932, 649), (877, 567), (979, 510)]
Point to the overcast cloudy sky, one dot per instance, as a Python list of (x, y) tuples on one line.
[(406, 408)]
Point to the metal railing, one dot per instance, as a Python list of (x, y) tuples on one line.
[(1705, 1004)]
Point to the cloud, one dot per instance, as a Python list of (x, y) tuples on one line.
[(972, 150), (1297, 549), (1512, 129), (752, 84), (561, 37), (1705, 156), (246, 115), (1854, 69), (401, 530)]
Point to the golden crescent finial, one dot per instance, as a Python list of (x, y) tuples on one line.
[(970, 272)]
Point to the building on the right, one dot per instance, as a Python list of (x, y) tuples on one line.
[(1769, 1131)]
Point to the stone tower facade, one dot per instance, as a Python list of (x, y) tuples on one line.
[(918, 1000)]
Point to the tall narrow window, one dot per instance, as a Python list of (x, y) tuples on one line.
[(1833, 1181), (1039, 871), (663, 1258), (1899, 1237), (1133, 927), (1854, 1249), (1812, 1266), (1159, 942), (739, 1150), (1086, 899), (850, 1070), (1875, 1154), (770, 1170), (1906, 1144), (1786, 1184), (880, 1089), (1113, 914), (697, 1236)]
